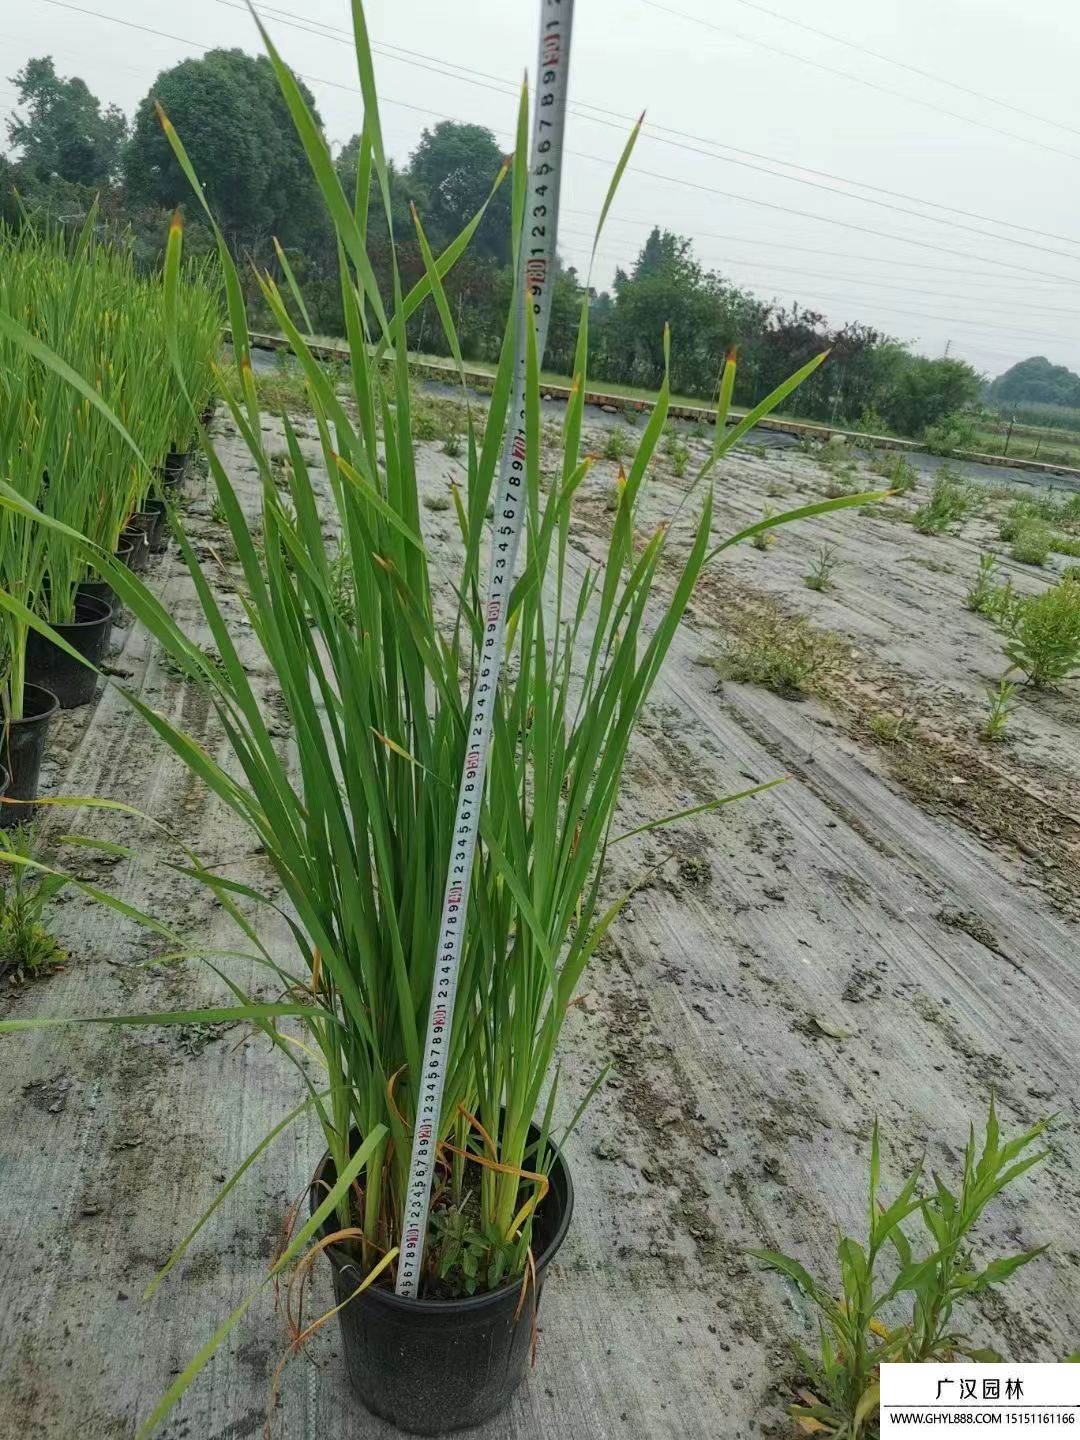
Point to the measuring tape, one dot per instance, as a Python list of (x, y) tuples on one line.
[(536, 267)]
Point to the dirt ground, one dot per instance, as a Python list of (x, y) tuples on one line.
[(892, 933)]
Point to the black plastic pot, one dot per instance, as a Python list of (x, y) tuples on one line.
[(4, 778), (432, 1366), (46, 664), (24, 742), (176, 462), (159, 535), (101, 589), (136, 538)]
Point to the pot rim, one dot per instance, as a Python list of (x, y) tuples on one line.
[(406, 1305), (82, 598), (40, 715)]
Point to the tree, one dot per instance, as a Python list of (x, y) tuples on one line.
[(228, 111), (455, 165), (705, 313), (1036, 380), (925, 391), (66, 134)]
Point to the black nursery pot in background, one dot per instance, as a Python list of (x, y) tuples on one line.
[(24, 742), (175, 463), (432, 1366), (46, 664), (135, 538), (158, 537), (4, 778)]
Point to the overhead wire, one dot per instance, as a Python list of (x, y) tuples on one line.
[(906, 65), (438, 66), (668, 179), (774, 49), (1040, 276)]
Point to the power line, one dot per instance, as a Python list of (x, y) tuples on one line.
[(859, 79), (829, 220), (723, 263), (935, 270), (421, 61), (819, 296), (667, 179), (904, 65)]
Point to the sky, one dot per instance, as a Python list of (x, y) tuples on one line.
[(929, 189)]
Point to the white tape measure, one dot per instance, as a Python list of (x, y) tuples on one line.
[(536, 265)]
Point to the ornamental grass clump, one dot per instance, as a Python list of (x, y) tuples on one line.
[(375, 653), (80, 299)]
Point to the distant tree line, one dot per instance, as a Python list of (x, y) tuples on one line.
[(228, 110)]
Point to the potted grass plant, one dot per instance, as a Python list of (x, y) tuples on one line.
[(82, 298), (357, 819)]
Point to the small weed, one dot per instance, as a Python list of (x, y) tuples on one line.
[(342, 587), (217, 511), (616, 444), (695, 869), (980, 596), (26, 944), (781, 653), (1001, 706), (891, 1273), (697, 431), (764, 539), (452, 445), (284, 389), (825, 566), (435, 417), (1066, 544), (892, 729), (951, 500), (631, 414), (679, 456), (1033, 543), (1043, 635), (901, 476), (837, 487), (436, 501)]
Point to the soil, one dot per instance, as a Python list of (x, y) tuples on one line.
[(892, 934)]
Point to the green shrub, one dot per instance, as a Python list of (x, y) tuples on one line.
[(891, 1272), (951, 500), (26, 944), (1043, 634), (1033, 543), (950, 434)]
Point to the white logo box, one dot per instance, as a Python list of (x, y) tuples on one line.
[(935, 1400)]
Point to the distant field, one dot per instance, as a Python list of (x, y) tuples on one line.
[(1055, 445)]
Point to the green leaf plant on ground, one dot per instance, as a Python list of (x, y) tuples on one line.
[(895, 1295)]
